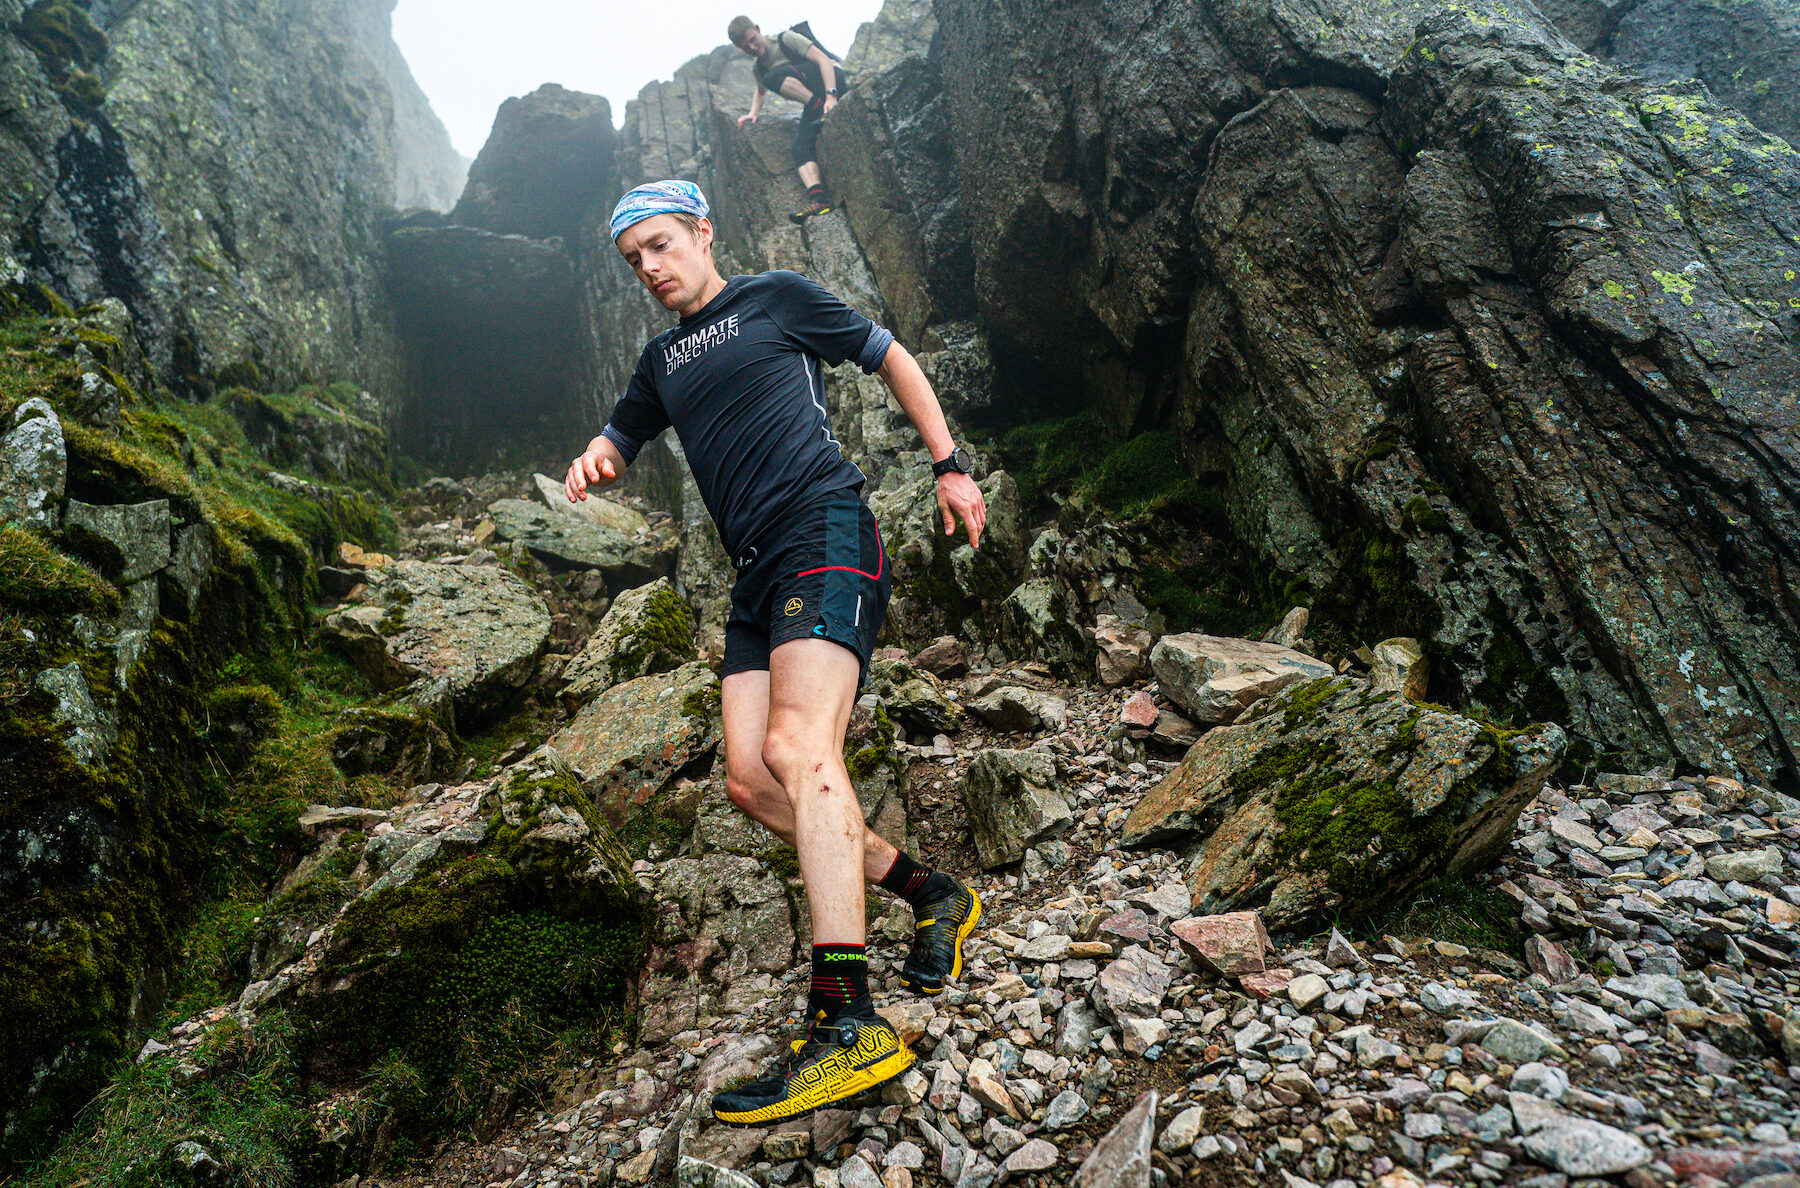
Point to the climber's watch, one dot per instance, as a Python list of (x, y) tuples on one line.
[(958, 461)]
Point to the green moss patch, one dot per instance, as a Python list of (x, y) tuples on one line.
[(35, 577), (245, 1110), (465, 981)]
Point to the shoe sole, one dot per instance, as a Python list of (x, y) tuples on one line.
[(823, 1096), (962, 934)]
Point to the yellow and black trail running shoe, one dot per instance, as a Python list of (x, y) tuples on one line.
[(942, 927), (812, 207), (839, 1059)]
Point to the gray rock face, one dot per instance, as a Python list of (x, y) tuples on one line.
[(128, 541), (1014, 800), (1747, 55), (1266, 801), (1440, 238), (33, 466), (223, 182), (482, 312), (1215, 679), (474, 632), (566, 542), (633, 740)]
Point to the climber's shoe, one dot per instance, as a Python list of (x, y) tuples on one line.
[(852, 1053), (810, 209), (942, 927)]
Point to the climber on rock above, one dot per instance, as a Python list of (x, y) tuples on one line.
[(740, 378), (793, 65)]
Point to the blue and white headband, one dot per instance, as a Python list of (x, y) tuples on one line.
[(673, 196)]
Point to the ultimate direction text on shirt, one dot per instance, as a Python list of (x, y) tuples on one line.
[(685, 350)]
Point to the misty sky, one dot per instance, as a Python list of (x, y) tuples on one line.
[(470, 55)]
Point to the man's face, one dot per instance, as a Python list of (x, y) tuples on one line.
[(753, 43), (669, 258)]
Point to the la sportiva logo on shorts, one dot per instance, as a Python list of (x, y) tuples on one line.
[(793, 607)]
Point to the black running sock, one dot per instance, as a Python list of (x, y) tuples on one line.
[(917, 885), (840, 976), (816, 193)]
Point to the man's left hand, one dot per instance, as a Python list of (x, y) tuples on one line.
[(960, 499), (830, 102)]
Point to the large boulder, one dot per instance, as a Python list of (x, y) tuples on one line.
[(1330, 797), (646, 630), (636, 739), (1215, 679), (469, 634), (1014, 800), (460, 906), (595, 509), (564, 541), (549, 154)]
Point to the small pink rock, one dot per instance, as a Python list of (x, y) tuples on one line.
[(1230, 944), (1266, 984), (1140, 710), (943, 657)]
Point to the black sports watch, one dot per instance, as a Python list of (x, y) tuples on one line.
[(958, 461)]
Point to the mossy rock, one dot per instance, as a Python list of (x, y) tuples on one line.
[(407, 744), (467, 970), (1329, 797), (647, 630)]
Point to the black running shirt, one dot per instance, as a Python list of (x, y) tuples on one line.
[(741, 382)]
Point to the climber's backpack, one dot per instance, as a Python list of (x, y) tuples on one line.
[(804, 28)]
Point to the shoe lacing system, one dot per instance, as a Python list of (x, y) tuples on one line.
[(938, 937)]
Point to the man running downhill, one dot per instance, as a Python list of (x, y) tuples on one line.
[(739, 377), (792, 65)]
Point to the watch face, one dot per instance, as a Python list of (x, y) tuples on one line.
[(960, 457)]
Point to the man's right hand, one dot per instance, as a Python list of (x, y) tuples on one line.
[(592, 469), (746, 118)]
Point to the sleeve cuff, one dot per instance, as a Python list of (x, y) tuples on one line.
[(628, 446), (875, 349)]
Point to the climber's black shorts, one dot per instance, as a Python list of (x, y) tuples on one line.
[(806, 136), (819, 574)]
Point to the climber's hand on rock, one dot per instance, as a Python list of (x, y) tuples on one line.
[(960, 499), (830, 102), (746, 118), (592, 469)]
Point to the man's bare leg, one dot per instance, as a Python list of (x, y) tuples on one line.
[(750, 784), (812, 689)]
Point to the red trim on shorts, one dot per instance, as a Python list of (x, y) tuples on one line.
[(880, 555)]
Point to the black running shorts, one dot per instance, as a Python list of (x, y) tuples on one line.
[(818, 574)]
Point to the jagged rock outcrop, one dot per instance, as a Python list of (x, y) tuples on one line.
[(1484, 339), (1747, 53), (487, 295), (219, 170), (428, 171)]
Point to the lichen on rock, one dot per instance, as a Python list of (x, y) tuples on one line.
[(1330, 797)]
